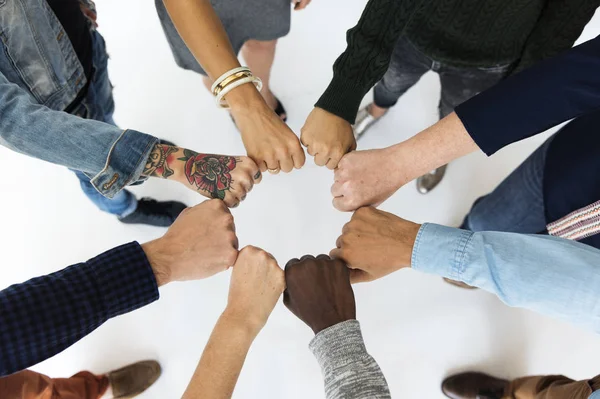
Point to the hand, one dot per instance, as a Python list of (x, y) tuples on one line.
[(327, 137), (201, 243), (300, 4), (375, 243), (268, 140), (366, 178), (319, 292), (257, 282), (225, 177)]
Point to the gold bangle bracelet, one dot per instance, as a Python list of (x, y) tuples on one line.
[(230, 79)]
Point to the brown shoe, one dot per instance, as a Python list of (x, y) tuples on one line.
[(429, 181), (130, 381), (474, 386), (459, 284)]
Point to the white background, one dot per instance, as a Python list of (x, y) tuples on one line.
[(417, 327)]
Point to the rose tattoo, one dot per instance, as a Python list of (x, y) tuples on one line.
[(209, 172)]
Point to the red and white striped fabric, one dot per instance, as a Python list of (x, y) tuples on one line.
[(582, 223)]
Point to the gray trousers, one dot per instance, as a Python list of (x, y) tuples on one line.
[(459, 84)]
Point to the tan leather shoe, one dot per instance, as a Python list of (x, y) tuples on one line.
[(130, 381), (459, 284), (474, 386)]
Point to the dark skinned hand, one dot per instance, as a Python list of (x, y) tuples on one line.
[(319, 291)]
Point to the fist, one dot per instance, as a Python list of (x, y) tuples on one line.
[(375, 243), (365, 178), (319, 291), (256, 284), (327, 137), (201, 243)]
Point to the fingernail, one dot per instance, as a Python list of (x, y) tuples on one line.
[(243, 198), (235, 205), (257, 175)]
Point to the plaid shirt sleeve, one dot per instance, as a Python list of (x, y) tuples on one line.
[(45, 315)]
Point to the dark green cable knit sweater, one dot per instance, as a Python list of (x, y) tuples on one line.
[(478, 33)]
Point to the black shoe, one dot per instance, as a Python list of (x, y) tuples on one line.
[(154, 213), (474, 386)]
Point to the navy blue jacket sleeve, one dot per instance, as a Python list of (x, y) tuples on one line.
[(45, 315), (530, 102)]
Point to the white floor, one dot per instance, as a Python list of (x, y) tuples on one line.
[(418, 328)]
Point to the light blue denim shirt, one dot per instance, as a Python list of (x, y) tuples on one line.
[(595, 395), (40, 75), (553, 276)]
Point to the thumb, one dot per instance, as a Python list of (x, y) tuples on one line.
[(359, 276)]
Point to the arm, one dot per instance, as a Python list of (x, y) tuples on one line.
[(256, 284), (112, 156), (267, 139), (319, 293), (45, 315), (348, 369), (222, 360), (550, 275), (559, 25), (366, 58), (521, 106), (327, 132)]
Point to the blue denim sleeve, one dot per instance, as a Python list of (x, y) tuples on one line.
[(549, 275), (540, 97), (113, 157), (45, 315), (595, 395)]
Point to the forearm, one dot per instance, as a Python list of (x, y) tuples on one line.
[(348, 370), (111, 156), (562, 21), (435, 146), (45, 315), (549, 275), (366, 58), (222, 360)]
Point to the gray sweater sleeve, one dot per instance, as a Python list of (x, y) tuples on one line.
[(348, 370)]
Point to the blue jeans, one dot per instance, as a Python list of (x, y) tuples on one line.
[(98, 104), (517, 204)]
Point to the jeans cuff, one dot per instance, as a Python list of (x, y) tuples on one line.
[(125, 162)]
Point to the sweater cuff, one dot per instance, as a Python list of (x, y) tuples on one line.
[(338, 344), (342, 98), (125, 279)]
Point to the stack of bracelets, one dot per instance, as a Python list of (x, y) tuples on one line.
[(230, 80)]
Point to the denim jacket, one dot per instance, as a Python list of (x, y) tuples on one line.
[(40, 75)]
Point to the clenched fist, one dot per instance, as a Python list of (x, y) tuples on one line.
[(256, 284), (201, 243), (327, 137), (226, 177), (319, 291), (366, 178), (375, 243)]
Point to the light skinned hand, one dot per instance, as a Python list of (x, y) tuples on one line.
[(375, 243), (226, 177), (327, 137), (200, 243), (256, 284), (366, 178), (268, 140), (300, 4)]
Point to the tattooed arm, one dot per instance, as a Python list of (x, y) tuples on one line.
[(224, 177)]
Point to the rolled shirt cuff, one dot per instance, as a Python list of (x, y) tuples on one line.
[(440, 250), (342, 98), (339, 344), (125, 162)]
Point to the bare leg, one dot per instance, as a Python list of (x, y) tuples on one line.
[(259, 56)]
